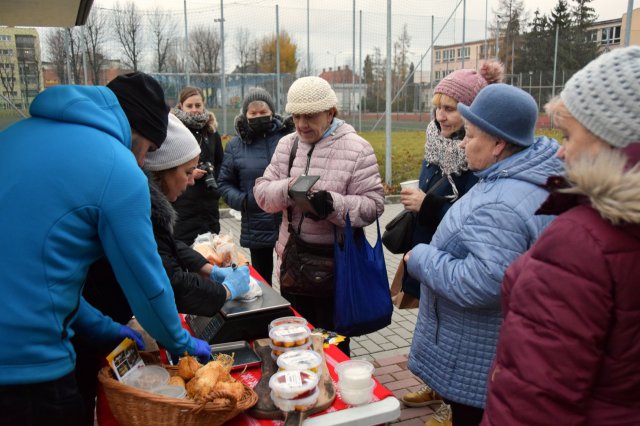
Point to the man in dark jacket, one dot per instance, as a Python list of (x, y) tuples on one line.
[(246, 156)]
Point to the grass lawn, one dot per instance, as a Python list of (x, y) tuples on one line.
[(408, 152)]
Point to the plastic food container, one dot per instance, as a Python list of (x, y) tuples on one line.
[(293, 384), (299, 404), (276, 351), (288, 320), (147, 377), (300, 360), (289, 335), (357, 396), (171, 391), (354, 374)]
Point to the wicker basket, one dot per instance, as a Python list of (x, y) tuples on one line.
[(135, 407)]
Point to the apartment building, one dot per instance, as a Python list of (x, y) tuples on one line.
[(20, 71)]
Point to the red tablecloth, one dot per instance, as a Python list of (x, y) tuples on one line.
[(250, 377)]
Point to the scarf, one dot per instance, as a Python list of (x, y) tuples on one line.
[(193, 121), (446, 154)]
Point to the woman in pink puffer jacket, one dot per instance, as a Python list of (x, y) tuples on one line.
[(349, 181)]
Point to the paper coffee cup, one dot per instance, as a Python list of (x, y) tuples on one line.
[(409, 184)]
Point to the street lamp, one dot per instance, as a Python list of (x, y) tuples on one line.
[(335, 56), (530, 75)]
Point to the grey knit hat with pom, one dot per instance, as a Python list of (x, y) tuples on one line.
[(604, 96), (309, 95), (179, 147), (257, 94)]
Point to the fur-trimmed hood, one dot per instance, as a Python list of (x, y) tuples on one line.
[(607, 182), (613, 189), (247, 135), (162, 212)]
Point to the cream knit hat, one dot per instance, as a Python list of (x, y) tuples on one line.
[(179, 147), (604, 96), (309, 95)]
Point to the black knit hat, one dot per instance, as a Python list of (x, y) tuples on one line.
[(257, 94), (142, 99)]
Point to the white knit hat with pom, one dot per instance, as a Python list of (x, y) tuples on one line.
[(179, 147), (309, 95)]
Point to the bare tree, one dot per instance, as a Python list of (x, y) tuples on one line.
[(56, 46), (175, 61), (93, 37), (204, 49), (7, 74), (162, 37), (243, 47), (127, 22)]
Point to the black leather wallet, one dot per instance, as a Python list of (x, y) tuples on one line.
[(299, 192)]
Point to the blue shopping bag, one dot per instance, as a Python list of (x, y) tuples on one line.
[(363, 300)]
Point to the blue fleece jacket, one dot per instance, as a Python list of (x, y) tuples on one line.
[(71, 193)]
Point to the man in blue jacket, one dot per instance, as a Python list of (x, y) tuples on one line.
[(71, 193)]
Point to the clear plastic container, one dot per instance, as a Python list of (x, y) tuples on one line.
[(276, 351), (288, 320), (298, 404), (289, 335), (357, 396), (147, 377), (171, 391), (354, 374), (293, 384), (300, 360)]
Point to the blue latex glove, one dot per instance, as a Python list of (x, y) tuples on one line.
[(219, 274), (131, 334), (237, 282), (203, 350)]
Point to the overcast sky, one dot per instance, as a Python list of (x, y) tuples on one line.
[(331, 27)]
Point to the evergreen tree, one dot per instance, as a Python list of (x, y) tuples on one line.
[(585, 48)]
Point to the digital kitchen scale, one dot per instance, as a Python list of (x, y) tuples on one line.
[(239, 320)]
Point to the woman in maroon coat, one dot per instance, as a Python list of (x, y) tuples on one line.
[(569, 347)]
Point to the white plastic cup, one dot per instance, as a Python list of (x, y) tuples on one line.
[(357, 396), (409, 184), (354, 374)]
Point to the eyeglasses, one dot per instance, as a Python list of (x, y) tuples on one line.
[(307, 117)]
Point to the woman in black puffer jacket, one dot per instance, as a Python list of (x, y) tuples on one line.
[(246, 156), (197, 208)]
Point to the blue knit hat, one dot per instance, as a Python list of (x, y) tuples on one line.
[(503, 111)]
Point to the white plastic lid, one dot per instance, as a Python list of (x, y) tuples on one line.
[(147, 377), (289, 335), (287, 320), (293, 383), (299, 360), (171, 391)]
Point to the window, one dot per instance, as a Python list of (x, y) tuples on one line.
[(466, 52), (5, 38), (437, 56), (25, 41), (6, 52), (610, 35)]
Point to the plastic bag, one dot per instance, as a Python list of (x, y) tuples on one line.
[(363, 299)]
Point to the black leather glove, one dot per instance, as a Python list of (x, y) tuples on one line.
[(322, 203)]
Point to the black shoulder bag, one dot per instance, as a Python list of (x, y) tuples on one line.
[(306, 269)]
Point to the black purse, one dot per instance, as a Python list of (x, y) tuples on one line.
[(398, 234)]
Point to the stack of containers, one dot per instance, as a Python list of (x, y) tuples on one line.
[(287, 337), (294, 390), (355, 382)]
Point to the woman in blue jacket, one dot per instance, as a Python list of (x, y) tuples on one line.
[(246, 156), (460, 271)]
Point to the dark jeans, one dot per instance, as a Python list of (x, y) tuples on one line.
[(54, 403), (319, 312), (262, 262), (464, 415)]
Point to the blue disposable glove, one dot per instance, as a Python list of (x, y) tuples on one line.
[(203, 350), (237, 282), (219, 274), (131, 334)]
